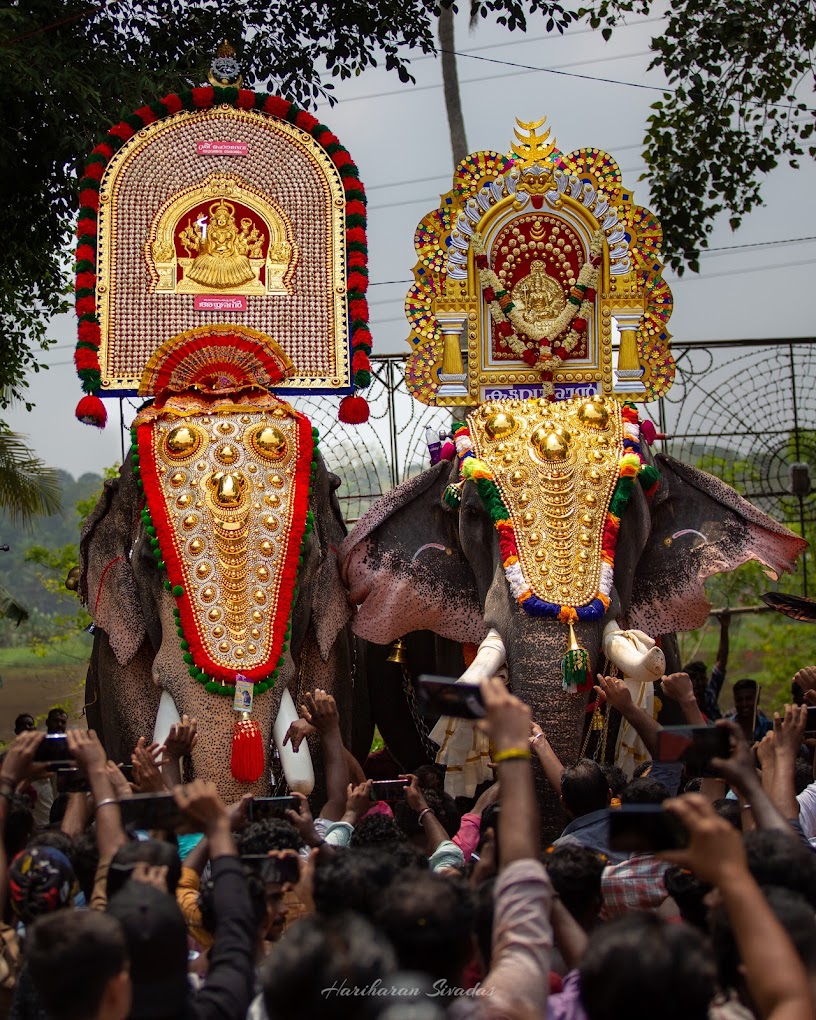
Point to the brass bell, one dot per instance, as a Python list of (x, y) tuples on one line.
[(398, 653), (72, 580)]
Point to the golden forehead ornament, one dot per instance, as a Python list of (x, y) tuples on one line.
[(556, 466)]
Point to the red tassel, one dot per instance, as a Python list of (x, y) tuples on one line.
[(353, 410), (91, 411), (247, 763)]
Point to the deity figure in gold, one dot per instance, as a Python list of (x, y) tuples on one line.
[(223, 250), (538, 297)]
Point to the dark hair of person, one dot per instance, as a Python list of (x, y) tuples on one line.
[(803, 776), (644, 791), (698, 667), (54, 838), (792, 912), (694, 785), (71, 956), (584, 788), (489, 820), (615, 779), (19, 824), (776, 859), (637, 961), (268, 834), (443, 806), (730, 810), (575, 872), (54, 714), (150, 851), (58, 808), (428, 919), (746, 684), (85, 859), (689, 893), (326, 952), (353, 881), (257, 898), (377, 830), (430, 777), (18, 722), (642, 769)]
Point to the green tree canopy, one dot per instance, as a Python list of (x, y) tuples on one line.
[(734, 108)]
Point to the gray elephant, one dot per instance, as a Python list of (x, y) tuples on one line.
[(137, 655), (412, 563)]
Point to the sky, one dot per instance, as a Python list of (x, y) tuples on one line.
[(398, 136)]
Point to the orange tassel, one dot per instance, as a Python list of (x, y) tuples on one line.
[(247, 763)]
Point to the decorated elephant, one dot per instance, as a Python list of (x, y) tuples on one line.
[(433, 554), (142, 674)]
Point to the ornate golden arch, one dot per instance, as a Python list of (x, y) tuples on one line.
[(277, 241)]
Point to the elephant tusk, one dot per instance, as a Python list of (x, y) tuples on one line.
[(490, 657), (167, 715), (298, 767), (637, 658)]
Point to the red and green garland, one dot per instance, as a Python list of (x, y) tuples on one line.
[(91, 410)]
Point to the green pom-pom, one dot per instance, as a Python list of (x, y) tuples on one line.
[(193, 671), (212, 687), (180, 632), (178, 590), (167, 585), (188, 658), (185, 646), (649, 476), (162, 565), (276, 672), (151, 531), (285, 646)]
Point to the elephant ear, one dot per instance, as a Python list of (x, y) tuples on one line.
[(107, 583), (404, 567), (331, 611), (700, 526)]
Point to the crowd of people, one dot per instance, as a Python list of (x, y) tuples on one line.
[(408, 907)]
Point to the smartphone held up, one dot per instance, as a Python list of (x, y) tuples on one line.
[(442, 695)]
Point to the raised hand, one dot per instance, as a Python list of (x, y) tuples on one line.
[(86, 749), (20, 757), (715, 849), (678, 687), (358, 801), (789, 729), (146, 759), (200, 801), (182, 738), (303, 821), (321, 710), (298, 731), (615, 691)]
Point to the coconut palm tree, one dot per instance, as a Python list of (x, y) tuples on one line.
[(28, 487), (450, 83)]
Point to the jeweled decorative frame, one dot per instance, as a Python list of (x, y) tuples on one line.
[(489, 188), (350, 201)]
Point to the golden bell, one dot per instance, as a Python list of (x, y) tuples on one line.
[(72, 580), (398, 654)]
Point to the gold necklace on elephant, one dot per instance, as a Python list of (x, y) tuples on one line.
[(555, 479), (226, 480)]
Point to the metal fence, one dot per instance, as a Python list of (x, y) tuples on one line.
[(743, 409)]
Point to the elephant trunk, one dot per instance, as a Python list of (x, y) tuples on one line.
[(534, 652)]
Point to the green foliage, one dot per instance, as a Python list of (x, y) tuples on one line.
[(28, 487), (734, 113), (37, 563)]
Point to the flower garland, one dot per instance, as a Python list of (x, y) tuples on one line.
[(91, 410), (631, 466), (539, 352), (225, 686)]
